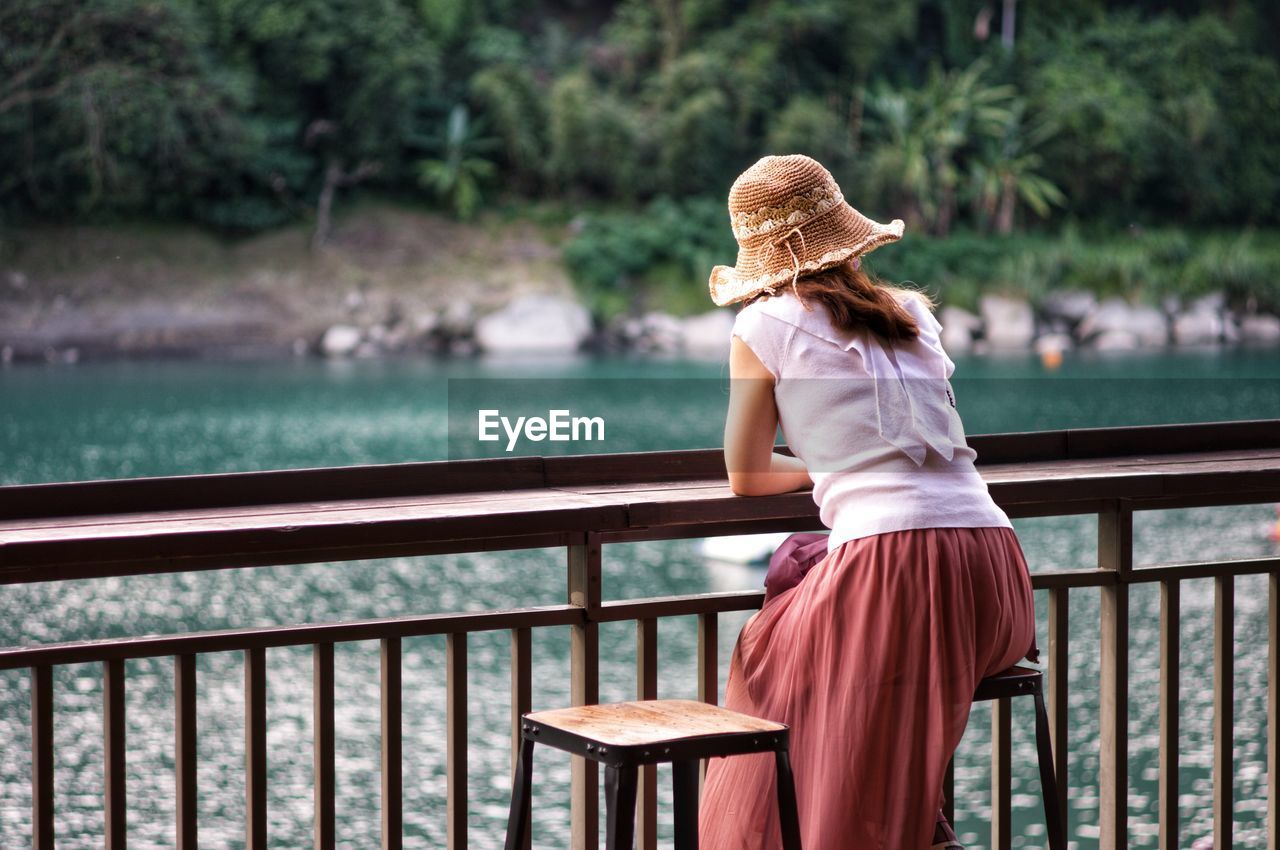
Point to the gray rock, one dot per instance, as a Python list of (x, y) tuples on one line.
[(1230, 328), (1114, 340), (958, 328), (708, 333), (462, 348), (1151, 325), (1197, 327), (457, 319), (1007, 322), (1214, 302), (657, 333), (1148, 325), (1053, 343), (425, 323), (535, 323), (1260, 328), (340, 341), (1069, 304)]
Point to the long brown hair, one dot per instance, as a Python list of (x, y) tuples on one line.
[(855, 299)]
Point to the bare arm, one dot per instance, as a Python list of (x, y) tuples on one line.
[(755, 469)]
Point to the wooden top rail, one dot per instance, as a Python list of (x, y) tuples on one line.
[(55, 532)]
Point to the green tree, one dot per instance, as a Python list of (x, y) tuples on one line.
[(110, 107), (1007, 172), (809, 125), (458, 175), (919, 136), (348, 76), (595, 139), (517, 109)]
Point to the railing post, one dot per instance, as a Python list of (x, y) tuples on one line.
[(1059, 683), (1224, 606), (1115, 553), (42, 757), (1273, 712), (255, 748), (708, 669), (113, 728), (584, 591), (456, 753), (647, 688), (323, 749), (1170, 679), (521, 701), (392, 746), (184, 686), (1001, 774)]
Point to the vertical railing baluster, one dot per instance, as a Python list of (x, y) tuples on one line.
[(708, 669), (1001, 774), (392, 746), (1273, 712), (184, 732), (584, 663), (1224, 589), (1115, 553), (42, 757), (456, 725), (255, 748), (709, 658), (1170, 679), (114, 754), (647, 688), (323, 751), (1059, 669), (521, 699)]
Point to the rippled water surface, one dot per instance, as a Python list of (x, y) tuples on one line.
[(118, 420)]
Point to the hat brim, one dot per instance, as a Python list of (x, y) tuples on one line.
[(763, 266)]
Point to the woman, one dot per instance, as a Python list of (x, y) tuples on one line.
[(873, 657)]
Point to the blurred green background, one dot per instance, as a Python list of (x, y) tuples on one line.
[(1113, 146)]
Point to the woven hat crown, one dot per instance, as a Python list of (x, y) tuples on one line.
[(790, 219), (779, 191)]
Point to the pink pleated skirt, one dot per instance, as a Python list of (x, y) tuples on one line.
[(872, 660)]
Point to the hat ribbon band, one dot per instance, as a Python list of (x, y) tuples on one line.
[(785, 239)]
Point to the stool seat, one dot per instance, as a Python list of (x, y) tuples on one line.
[(647, 722), (1016, 681), (625, 736)]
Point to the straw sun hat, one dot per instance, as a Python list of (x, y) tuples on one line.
[(790, 219)]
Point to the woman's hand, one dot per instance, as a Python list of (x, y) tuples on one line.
[(750, 429)]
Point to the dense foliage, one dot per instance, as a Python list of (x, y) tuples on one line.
[(244, 114)]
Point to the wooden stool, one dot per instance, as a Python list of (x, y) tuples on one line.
[(1021, 682), (623, 736)]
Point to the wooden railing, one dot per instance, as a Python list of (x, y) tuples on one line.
[(97, 529)]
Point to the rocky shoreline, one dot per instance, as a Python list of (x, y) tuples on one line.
[(394, 282), (373, 325)]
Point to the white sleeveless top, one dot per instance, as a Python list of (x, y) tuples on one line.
[(874, 422)]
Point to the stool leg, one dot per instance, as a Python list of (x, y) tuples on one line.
[(684, 780), (1054, 818), (521, 790), (787, 815), (620, 807)]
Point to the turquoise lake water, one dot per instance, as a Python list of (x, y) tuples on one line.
[(120, 420)]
